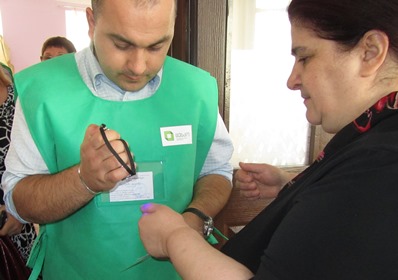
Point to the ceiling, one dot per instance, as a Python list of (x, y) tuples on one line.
[(76, 2)]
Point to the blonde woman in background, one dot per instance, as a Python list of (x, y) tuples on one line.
[(5, 54)]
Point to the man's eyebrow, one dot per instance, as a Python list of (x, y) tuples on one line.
[(124, 40)]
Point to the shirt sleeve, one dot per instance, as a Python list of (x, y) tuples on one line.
[(220, 153), (23, 159)]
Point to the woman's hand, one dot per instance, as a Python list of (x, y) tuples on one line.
[(12, 225), (165, 234), (260, 180), (157, 224)]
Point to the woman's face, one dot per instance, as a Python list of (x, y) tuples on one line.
[(328, 79), (52, 51)]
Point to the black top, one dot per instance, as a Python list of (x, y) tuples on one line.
[(339, 218)]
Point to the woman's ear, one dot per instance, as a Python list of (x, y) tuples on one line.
[(374, 49)]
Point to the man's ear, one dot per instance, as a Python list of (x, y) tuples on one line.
[(91, 22), (374, 49)]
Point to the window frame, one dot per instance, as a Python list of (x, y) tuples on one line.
[(202, 39)]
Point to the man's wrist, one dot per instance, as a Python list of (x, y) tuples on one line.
[(208, 224), (85, 185)]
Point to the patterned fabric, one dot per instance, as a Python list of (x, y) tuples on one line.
[(6, 118), (24, 240)]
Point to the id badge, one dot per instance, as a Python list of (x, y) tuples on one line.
[(146, 185)]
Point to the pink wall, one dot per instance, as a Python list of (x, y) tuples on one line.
[(27, 24)]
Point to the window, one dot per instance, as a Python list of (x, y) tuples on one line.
[(77, 27), (266, 120)]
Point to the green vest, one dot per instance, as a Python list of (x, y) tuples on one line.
[(101, 240)]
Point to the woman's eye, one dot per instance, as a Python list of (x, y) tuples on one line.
[(302, 59)]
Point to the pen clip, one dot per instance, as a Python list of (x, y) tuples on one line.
[(139, 261)]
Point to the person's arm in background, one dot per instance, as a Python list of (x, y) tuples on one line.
[(212, 190), (166, 235), (256, 180), (12, 226)]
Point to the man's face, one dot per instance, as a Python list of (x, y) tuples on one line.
[(130, 42)]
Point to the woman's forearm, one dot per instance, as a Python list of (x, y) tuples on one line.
[(194, 258)]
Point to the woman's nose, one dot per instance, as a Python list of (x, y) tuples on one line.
[(294, 81)]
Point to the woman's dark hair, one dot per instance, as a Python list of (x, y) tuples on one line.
[(346, 21), (59, 42)]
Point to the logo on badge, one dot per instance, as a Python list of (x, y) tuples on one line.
[(169, 136), (176, 135)]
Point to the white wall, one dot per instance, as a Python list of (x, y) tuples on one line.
[(27, 24)]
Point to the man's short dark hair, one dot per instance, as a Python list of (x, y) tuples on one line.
[(96, 5)]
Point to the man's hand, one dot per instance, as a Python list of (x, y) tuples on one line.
[(99, 168), (46, 198)]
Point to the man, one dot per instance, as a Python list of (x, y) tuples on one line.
[(169, 118)]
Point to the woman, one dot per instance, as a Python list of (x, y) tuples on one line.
[(56, 46), (21, 235), (337, 219)]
